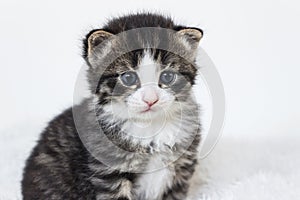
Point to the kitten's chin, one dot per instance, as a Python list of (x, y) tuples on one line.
[(151, 113), (146, 115)]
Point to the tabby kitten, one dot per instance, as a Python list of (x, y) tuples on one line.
[(136, 136)]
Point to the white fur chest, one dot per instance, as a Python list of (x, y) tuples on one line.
[(156, 180), (162, 132)]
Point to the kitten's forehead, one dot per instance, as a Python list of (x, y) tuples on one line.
[(148, 69)]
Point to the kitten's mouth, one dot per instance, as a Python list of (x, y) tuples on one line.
[(147, 110), (151, 109)]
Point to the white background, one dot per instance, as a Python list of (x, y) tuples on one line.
[(254, 45)]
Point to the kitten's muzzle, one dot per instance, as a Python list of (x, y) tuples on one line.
[(150, 97)]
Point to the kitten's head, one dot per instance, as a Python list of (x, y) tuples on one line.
[(142, 67)]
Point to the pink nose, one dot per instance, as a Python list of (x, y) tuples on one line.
[(150, 97)]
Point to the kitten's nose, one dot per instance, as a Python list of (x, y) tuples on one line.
[(150, 97)]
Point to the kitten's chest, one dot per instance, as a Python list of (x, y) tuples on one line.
[(160, 133), (156, 180)]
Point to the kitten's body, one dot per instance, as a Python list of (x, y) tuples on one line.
[(72, 160)]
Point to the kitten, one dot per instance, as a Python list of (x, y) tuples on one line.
[(136, 136)]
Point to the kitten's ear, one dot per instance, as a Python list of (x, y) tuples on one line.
[(191, 35), (95, 38)]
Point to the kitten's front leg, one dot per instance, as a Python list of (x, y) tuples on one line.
[(184, 170), (113, 188)]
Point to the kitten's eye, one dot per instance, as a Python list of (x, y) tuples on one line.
[(129, 78), (167, 77)]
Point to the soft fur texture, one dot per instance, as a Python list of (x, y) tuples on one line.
[(242, 166), (126, 141)]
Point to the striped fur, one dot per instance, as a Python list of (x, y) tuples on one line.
[(135, 154)]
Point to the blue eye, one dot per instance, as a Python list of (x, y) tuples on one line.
[(129, 78), (167, 77)]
